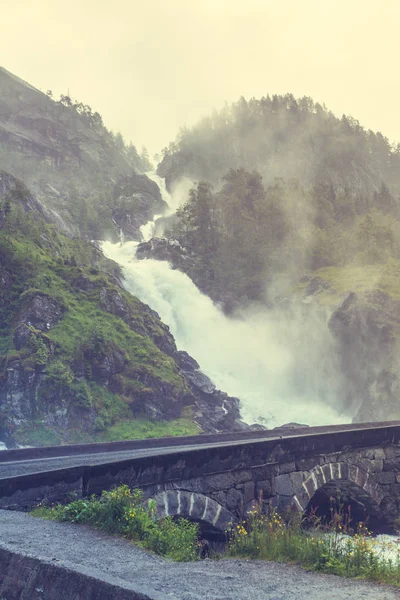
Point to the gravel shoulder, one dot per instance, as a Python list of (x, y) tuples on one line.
[(115, 560)]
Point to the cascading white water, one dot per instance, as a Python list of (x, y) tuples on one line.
[(272, 361)]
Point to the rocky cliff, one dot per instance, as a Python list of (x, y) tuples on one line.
[(80, 358), (72, 163)]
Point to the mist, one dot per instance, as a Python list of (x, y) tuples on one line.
[(150, 69), (281, 363)]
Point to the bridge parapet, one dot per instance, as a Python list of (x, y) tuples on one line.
[(284, 472)]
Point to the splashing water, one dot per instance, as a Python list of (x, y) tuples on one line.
[(251, 357), (278, 363), (178, 195)]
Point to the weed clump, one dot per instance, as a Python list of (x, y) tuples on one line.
[(125, 512), (329, 548)]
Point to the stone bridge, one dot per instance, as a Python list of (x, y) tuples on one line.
[(218, 483)]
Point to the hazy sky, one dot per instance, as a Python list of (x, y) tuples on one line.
[(149, 67)]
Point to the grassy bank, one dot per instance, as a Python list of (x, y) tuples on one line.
[(331, 548), (328, 549), (124, 512)]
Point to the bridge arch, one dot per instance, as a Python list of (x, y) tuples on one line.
[(213, 518), (356, 486)]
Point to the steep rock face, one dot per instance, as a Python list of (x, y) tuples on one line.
[(13, 189), (366, 328), (30, 390), (183, 260), (78, 353), (82, 180), (31, 120), (136, 200), (163, 249)]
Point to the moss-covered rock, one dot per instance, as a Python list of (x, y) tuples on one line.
[(79, 354)]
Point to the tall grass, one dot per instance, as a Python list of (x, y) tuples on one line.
[(328, 548)]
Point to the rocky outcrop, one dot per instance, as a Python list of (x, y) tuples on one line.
[(136, 200), (55, 384), (184, 260), (366, 328), (168, 250), (40, 312), (213, 410), (15, 191), (80, 178)]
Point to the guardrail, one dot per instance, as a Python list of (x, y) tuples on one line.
[(95, 448), (24, 491)]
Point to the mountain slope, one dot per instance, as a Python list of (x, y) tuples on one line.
[(294, 205), (282, 136), (80, 358), (73, 164)]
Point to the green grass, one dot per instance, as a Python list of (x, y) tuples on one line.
[(142, 428), (329, 549), (37, 434), (41, 260), (353, 278), (124, 512)]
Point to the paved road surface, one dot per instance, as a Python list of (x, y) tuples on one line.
[(14, 468), (119, 562), (21, 465)]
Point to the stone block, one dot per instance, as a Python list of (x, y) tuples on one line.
[(283, 485), (310, 486), (248, 492), (184, 501), (297, 479), (330, 458), (392, 464), (285, 503), (287, 467), (264, 472), (218, 481), (390, 452), (375, 453), (243, 476), (386, 477), (265, 488), (219, 497), (192, 485), (234, 500), (306, 464)]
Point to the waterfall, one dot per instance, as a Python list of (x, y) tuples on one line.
[(278, 365)]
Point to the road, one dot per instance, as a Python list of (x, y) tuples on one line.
[(34, 460), (73, 561), (24, 467)]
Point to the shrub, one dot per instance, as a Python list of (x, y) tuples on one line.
[(327, 548), (125, 512)]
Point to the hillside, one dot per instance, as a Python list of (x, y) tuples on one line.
[(87, 177), (281, 136), (80, 358), (291, 205)]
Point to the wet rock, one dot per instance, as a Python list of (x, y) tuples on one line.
[(136, 200), (200, 381), (186, 362), (41, 312)]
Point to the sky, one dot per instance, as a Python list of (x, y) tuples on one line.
[(151, 67)]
